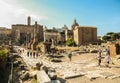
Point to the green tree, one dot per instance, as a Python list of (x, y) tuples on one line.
[(111, 36), (115, 36), (110, 33), (118, 34), (106, 38), (70, 42)]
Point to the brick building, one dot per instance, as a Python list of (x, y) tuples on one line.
[(81, 34), (25, 33), (85, 34)]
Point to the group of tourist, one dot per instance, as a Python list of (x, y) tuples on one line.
[(32, 54), (99, 57), (20, 51), (107, 57)]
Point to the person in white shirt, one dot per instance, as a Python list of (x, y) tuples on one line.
[(107, 58)]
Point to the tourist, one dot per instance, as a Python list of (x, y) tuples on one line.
[(107, 58), (99, 57), (70, 56), (100, 51), (23, 50), (28, 54), (36, 54), (108, 50), (20, 51), (33, 54)]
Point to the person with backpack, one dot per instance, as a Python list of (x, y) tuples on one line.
[(70, 56)]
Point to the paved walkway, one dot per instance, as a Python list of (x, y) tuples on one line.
[(74, 68)]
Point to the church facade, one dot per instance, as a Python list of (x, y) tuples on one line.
[(82, 34)]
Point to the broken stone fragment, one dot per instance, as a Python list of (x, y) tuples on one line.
[(24, 76)]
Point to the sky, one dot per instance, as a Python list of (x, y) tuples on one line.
[(103, 14)]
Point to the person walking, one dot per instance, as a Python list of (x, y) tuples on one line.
[(27, 53), (30, 54), (70, 56), (108, 59), (108, 50), (99, 57), (37, 54), (33, 54)]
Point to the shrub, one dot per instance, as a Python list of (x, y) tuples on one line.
[(3, 54), (70, 42)]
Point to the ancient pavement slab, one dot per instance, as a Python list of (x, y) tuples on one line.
[(72, 75), (93, 74), (42, 77), (106, 74), (115, 76)]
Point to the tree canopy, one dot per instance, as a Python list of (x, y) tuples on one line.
[(111, 36), (70, 42)]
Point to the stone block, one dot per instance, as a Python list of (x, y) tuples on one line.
[(114, 77), (71, 75), (24, 76), (33, 73), (55, 81), (22, 67), (52, 74), (15, 64), (42, 77)]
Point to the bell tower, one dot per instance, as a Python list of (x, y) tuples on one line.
[(74, 24)]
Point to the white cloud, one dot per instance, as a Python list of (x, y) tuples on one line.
[(13, 13)]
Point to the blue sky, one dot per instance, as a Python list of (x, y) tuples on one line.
[(104, 14)]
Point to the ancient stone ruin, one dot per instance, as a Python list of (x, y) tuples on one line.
[(46, 47), (114, 49)]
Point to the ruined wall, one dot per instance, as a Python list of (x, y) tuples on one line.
[(56, 36), (20, 29), (76, 36), (114, 49), (5, 35), (25, 29)]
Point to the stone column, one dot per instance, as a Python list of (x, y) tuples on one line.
[(29, 21)]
